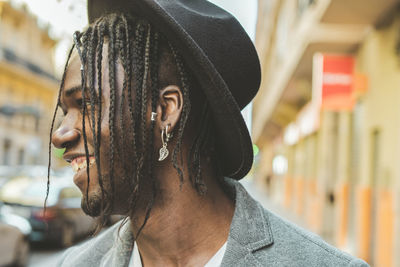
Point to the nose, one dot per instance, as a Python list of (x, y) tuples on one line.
[(65, 136)]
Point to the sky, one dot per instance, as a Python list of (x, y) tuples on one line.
[(246, 13), (67, 16)]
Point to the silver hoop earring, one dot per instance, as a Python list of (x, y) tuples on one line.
[(163, 150)]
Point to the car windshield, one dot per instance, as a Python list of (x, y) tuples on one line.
[(34, 171), (28, 192), (36, 193), (7, 171)]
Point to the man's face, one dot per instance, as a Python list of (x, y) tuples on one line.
[(70, 136)]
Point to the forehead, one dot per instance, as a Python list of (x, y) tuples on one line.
[(73, 72), (73, 79)]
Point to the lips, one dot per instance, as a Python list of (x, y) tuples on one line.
[(79, 166), (79, 163)]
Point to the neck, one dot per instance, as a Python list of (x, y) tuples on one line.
[(185, 228)]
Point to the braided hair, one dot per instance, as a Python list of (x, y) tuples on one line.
[(137, 45)]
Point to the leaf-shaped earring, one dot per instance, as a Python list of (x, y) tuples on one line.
[(164, 150)]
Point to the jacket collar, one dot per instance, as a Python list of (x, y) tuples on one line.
[(120, 253), (250, 228), (250, 231)]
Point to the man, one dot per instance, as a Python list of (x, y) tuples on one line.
[(151, 97)]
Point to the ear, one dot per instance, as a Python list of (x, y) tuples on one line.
[(169, 107)]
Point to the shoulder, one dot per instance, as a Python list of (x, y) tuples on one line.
[(260, 237), (294, 246), (91, 252)]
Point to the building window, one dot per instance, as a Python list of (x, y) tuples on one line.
[(303, 5), (280, 165), (21, 156), (37, 124), (6, 151)]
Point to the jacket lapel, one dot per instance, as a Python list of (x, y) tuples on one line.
[(250, 229), (120, 253)]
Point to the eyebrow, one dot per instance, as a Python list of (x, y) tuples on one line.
[(73, 90)]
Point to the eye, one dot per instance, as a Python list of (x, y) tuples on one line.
[(79, 102)]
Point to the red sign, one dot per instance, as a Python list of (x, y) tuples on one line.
[(336, 86)]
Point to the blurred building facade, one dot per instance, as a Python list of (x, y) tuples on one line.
[(337, 170), (28, 87)]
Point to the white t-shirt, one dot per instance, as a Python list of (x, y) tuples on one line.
[(215, 261)]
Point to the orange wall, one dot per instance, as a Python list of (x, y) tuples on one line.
[(314, 206), (304, 197), (342, 196), (385, 229), (364, 200)]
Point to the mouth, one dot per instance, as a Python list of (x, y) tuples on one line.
[(79, 163), (79, 167)]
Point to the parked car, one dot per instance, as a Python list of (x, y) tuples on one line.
[(6, 173), (14, 243), (63, 222), (9, 172)]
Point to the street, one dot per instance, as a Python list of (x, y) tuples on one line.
[(44, 256)]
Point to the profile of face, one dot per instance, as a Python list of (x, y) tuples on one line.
[(69, 135), (110, 138)]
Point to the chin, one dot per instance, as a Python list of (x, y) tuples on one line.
[(92, 206)]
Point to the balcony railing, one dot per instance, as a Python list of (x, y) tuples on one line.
[(11, 57)]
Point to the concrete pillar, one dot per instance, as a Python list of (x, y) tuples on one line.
[(327, 171), (342, 188)]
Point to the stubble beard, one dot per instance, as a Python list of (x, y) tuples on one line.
[(91, 204), (94, 205)]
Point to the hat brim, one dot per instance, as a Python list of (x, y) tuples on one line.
[(234, 144)]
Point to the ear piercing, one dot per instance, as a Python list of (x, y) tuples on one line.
[(163, 150), (153, 116)]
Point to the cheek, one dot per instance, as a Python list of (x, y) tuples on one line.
[(104, 145), (105, 153), (122, 141)]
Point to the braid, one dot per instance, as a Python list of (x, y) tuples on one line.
[(128, 73), (113, 92), (96, 54), (99, 53), (121, 48), (185, 111), (144, 89), (127, 65), (91, 76), (154, 88), (197, 147), (143, 163), (154, 72), (126, 54), (138, 67), (83, 57), (52, 126), (153, 57), (92, 39)]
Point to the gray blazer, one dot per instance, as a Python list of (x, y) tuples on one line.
[(257, 238)]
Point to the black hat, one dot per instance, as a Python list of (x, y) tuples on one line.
[(221, 56)]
